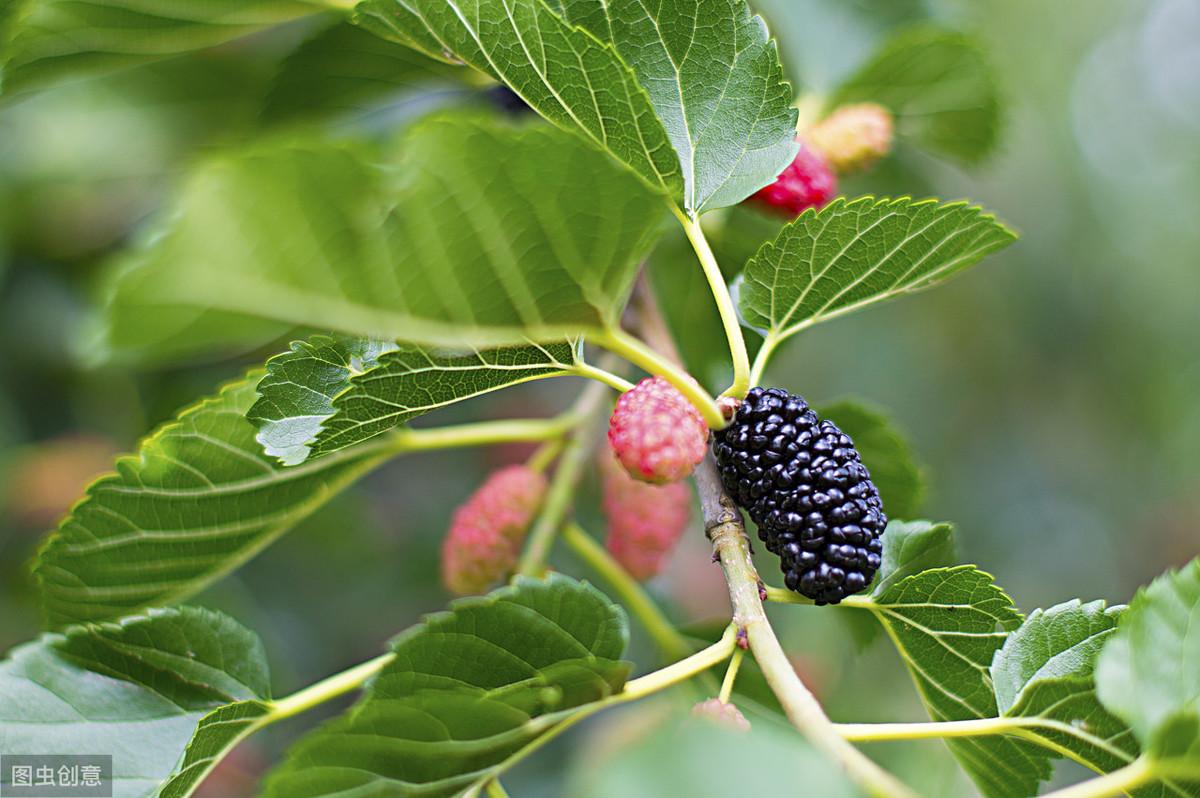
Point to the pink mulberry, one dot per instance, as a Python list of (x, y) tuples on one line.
[(644, 521), (488, 529), (656, 433)]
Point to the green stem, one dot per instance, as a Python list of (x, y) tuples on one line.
[(762, 358), (720, 292), (735, 664), (340, 5), (723, 522), (328, 689), (874, 732), (495, 789), (480, 434), (544, 455), (641, 355), (619, 384), (570, 468), (632, 594), (781, 595), (646, 685), (1121, 781)]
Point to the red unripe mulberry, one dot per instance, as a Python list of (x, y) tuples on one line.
[(656, 433), (807, 182), (487, 530), (644, 521)]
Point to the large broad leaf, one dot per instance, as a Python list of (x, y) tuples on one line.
[(197, 500), (939, 86), (467, 691), (498, 235), (884, 451), (152, 692), (566, 74), (327, 394), (832, 261), (714, 79), (689, 94), (1149, 673), (345, 71), (947, 624), (52, 39)]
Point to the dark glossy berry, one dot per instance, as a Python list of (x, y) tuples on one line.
[(802, 481)]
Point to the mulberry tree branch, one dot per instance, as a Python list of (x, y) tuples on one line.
[(724, 526)]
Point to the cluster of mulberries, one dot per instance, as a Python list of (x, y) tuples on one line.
[(644, 521), (805, 486), (487, 530), (656, 433)]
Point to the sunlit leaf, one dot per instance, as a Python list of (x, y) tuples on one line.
[(327, 394), (1149, 673), (480, 235), (850, 254), (689, 95)]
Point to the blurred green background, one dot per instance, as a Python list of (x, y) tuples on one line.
[(1051, 393)]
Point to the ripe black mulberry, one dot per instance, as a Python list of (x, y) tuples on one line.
[(803, 483)]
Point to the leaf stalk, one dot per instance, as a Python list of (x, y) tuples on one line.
[(631, 593), (638, 353), (742, 379)]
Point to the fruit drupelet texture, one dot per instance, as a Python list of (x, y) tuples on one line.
[(805, 486), (644, 521), (656, 433), (488, 530)]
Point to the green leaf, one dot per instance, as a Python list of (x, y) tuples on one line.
[(52, 39), (197, 500), (714, 78), (1061, 641), (296, 395), (327, 394), (835, 260), (1044, 675), (691, 96), (886, 454), (940, 88), (488, 239), (144, 691), (563, 72), (1149, 673), (468, 689), (910, 547), (344, 71), (947, 624)]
